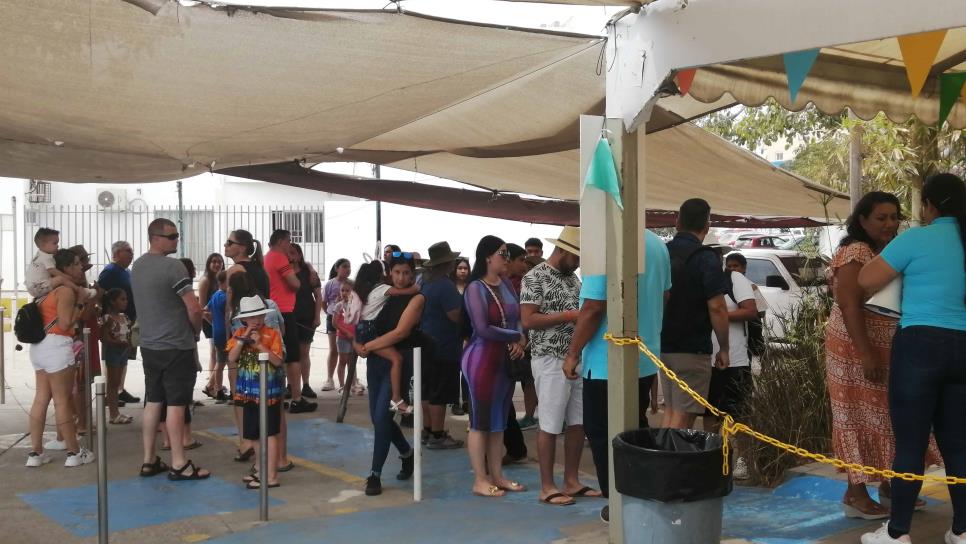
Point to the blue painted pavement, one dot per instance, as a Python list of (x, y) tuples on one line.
[(139, 502)]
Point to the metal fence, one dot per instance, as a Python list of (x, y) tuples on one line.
[(203, 229)]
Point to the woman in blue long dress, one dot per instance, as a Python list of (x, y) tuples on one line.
[(495, 315)]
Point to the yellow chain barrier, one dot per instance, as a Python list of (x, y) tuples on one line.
[(731, 427)]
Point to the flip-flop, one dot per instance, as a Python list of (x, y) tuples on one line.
[(287, 467), (549, 500), (243, 457), (257, 484), (193, 445), (514, 487), (492, 491), (585, 492)]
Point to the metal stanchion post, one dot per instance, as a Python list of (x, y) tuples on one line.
[(3, 355), (88, 407), (100, 389), (262, 438), (417, 424)]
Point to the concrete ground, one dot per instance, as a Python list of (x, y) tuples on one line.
[(322, 499)]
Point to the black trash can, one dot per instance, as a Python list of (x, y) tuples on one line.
[(672, 486)]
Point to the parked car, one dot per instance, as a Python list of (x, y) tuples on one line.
[(783, 278), (759, 241)]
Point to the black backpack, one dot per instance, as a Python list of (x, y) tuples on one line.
[(29, 326), (753, 328)]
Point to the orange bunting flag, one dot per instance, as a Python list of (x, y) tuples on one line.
[(684, 79), (918, 53)]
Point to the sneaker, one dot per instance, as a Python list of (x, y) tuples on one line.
[(881, 536), (121, 404), (953, 539), (309, 392), (373, 485), (55, 445), (445, 442), (528, 422), (740, 471), (35, 459), (127, 397), (605, 514), (328, 385), (408, 465), (82, 457), (302, 406)]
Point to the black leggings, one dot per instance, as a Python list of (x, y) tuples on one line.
[(927, 392)]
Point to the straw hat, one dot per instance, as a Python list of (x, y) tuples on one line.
[(83, 255), (569, 240), (251, 306), (440, 253)]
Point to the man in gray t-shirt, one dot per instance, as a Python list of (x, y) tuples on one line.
[(169, 316)]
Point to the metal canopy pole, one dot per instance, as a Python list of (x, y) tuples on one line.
[(262, 436), (100, 386), (88, 407), (181, 220)]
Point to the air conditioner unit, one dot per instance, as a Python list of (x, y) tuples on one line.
[(111, 199)]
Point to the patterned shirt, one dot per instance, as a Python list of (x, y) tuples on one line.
[(552, 292), (247, 385)]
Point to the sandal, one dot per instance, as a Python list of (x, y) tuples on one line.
[(513, 486), (257, 484), (178, 475), (550, 499), (287, 467), (400, 407), (586, 491), (244, 457), (491, 491), (207, 392), (121, 419), (155, 468), (850, 510)]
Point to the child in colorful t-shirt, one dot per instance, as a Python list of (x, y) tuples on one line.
[(243, 350)]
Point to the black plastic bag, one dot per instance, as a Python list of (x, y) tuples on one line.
[(669, 465)]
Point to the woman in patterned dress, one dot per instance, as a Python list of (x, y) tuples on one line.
[(495, 314), (857, 348)]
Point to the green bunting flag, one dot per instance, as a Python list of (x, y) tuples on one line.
[(602, 173), (950, 87)]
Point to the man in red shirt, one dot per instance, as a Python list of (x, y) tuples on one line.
[(283, 286)]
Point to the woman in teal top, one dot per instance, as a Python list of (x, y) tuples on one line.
[(927, 381)]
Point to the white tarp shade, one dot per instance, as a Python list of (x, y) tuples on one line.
[(107, 92)]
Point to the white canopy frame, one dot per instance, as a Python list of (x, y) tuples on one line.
[(646, 47)]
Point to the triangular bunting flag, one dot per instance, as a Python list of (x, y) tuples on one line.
[(684, 79), (950, 89), (797, 67), (602, 173), (918, 53)]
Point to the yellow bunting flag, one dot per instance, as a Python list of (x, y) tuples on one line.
[(918, 53)]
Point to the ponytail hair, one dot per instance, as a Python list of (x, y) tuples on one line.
[(367, 278), (947, 193), (253, 248)]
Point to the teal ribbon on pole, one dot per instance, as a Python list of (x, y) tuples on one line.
[(602, 173)]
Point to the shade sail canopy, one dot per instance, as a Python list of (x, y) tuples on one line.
[(473, 202), (866, 77), (107, 91)]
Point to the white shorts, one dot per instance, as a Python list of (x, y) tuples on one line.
[(559, 400), (53, 354)]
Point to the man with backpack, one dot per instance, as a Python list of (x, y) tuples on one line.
[(695, 308)]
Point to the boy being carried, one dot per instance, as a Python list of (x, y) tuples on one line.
[(42, 276)]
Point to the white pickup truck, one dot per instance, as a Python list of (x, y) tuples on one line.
[(783, 277)]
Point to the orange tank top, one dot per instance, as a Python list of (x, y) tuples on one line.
[(48, 311)]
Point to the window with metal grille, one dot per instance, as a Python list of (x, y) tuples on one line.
[(306, 227), (197, 233), (39, 192)]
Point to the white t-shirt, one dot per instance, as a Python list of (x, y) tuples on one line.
[(742, 289), (374, 302), (37, 278)]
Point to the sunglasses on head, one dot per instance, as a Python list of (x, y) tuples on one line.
[(172, 236), (505, 254), (403, 254)]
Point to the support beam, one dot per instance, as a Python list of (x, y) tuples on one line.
[(669, 35), (855, 161)]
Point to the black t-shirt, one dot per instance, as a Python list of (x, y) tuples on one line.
[(388, 319), (304, 301), (696, 277), (258, 276)]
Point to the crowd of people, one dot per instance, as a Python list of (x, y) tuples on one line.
[(512, 316)]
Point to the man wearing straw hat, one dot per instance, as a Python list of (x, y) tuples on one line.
[(548, 309)]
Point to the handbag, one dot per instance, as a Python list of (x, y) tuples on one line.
[(518, 370)]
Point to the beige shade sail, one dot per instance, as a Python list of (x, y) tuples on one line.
[(866, 77)]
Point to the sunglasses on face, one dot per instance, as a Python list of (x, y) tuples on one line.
[(403, 254), (229, 243), (173, 236)]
